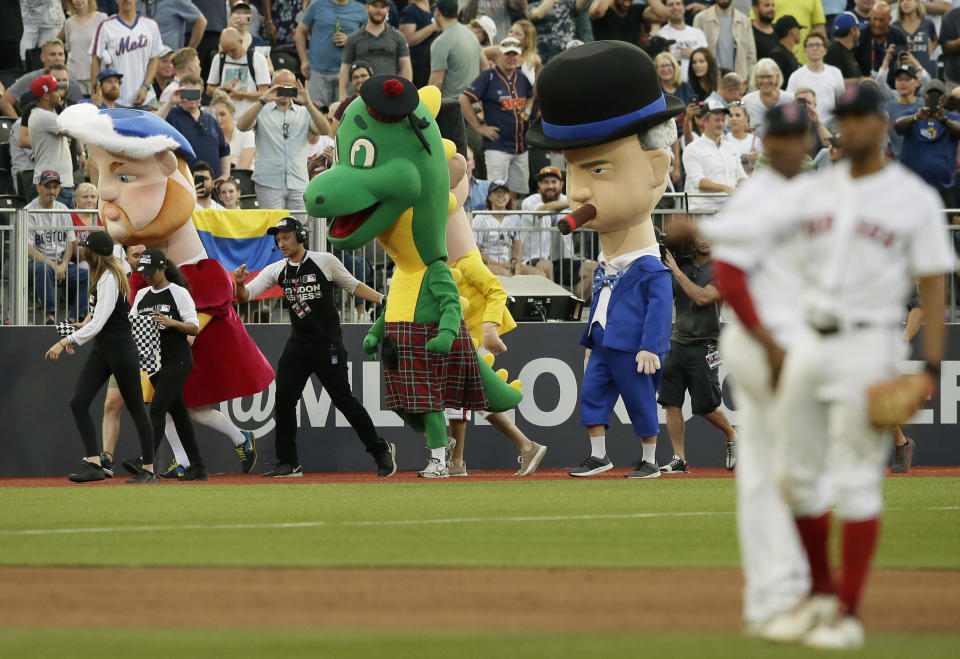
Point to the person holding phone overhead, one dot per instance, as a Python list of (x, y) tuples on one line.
[(114, 353), (201, 129)]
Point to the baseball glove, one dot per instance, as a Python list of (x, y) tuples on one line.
[(894, 401)]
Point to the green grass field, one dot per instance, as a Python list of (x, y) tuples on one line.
[(564, 524)]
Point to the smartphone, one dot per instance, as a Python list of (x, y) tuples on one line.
[(933, 100), (801, 101), (695, 98), (190, 94), (245, 18), (289, 92)]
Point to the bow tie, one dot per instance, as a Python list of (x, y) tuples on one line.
[(600, 280)]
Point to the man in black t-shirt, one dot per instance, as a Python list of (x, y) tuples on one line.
[(764, 36), (788, 32), (617, 20), (846, 36), (315, 345), (694, 361)]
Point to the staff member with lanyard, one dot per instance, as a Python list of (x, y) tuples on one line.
[(169, 301), (315, 344), (114, 353)]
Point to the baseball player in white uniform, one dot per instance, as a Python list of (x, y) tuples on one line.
[(859, 234), (128, 43), (751, 274)]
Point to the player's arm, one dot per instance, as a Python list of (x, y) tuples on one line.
[(934, 333), (913, 324)]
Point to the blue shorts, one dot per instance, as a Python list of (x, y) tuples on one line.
[(611, 374)]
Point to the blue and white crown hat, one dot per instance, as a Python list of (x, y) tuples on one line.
[(133, 134)]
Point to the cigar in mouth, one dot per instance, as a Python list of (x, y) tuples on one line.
[(577, 218)]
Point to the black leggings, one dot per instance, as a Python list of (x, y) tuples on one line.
[(300, 358), (168, 397), (111, 354)]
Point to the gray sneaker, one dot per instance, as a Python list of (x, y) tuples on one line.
[(592, 466), (644, 469), (903, 457), (434, 469), (457, 468), (530, 460), (731, 457)]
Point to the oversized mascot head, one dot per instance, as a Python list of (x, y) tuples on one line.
[(146, 192)]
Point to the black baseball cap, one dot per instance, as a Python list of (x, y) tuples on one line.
[(785, 24), (151, 260), (859, 99), (787, 119), (909, 70), (286, 224), (98, 242), (499, 184)]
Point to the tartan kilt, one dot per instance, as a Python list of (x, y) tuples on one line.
[(427, 381)]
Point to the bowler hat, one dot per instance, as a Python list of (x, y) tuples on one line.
[(597, 93)]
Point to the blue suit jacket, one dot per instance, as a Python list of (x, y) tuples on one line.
[(639, 314)]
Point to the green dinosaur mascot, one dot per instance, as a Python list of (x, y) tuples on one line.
[(390, 181)]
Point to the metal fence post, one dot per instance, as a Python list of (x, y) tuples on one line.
[(19, 276)]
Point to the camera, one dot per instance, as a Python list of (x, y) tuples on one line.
[(190, 94), (288, 92)]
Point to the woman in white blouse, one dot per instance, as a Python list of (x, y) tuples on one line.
[(242, 142)]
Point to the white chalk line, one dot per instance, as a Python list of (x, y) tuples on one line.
[(384, 522)]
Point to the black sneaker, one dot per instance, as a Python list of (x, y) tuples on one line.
[(247, 452), (143, 476), (194, 473), (592, 466), (88, 473), (133, 466), (387, 460), (676, 466), (644, 469), (107, 465), (284, 471)]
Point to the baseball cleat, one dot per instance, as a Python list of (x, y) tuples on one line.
[(173, 472), (903, 457), (247, 452), (434, 469), (592, 466), (730, 461), (284, 471), (644, 469), (794, 625), (88, 473), (143, 477), (386, 460), (843, 633), (529, 460), (676, 466), (457, 469)]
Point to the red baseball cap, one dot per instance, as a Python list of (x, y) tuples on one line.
[(43, 84)]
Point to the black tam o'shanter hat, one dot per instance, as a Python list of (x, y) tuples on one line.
[(597, 93), (391, 99)]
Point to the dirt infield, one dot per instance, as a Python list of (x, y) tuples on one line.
[(411, 476), (419, 598)]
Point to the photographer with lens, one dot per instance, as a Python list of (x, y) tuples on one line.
[(202, 130), (930, 139)]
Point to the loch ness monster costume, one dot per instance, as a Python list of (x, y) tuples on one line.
[(390, 182)]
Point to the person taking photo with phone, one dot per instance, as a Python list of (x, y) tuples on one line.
[(281, 119), (201, 129)]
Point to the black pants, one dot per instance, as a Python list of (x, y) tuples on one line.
[(111, 354), (168, 397), (299, 360), (205, 49)]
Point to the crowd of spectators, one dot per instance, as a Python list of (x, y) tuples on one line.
[(258, 88)]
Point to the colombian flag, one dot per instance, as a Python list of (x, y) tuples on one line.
[(237, 237)]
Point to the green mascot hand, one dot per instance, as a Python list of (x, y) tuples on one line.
[(442, 342), (371, 343)]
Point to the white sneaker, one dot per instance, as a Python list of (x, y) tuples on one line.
[(793, 625), (837, 634), (434, 469)]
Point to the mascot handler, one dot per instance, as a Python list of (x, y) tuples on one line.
[(602, 105), (147, 197)]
